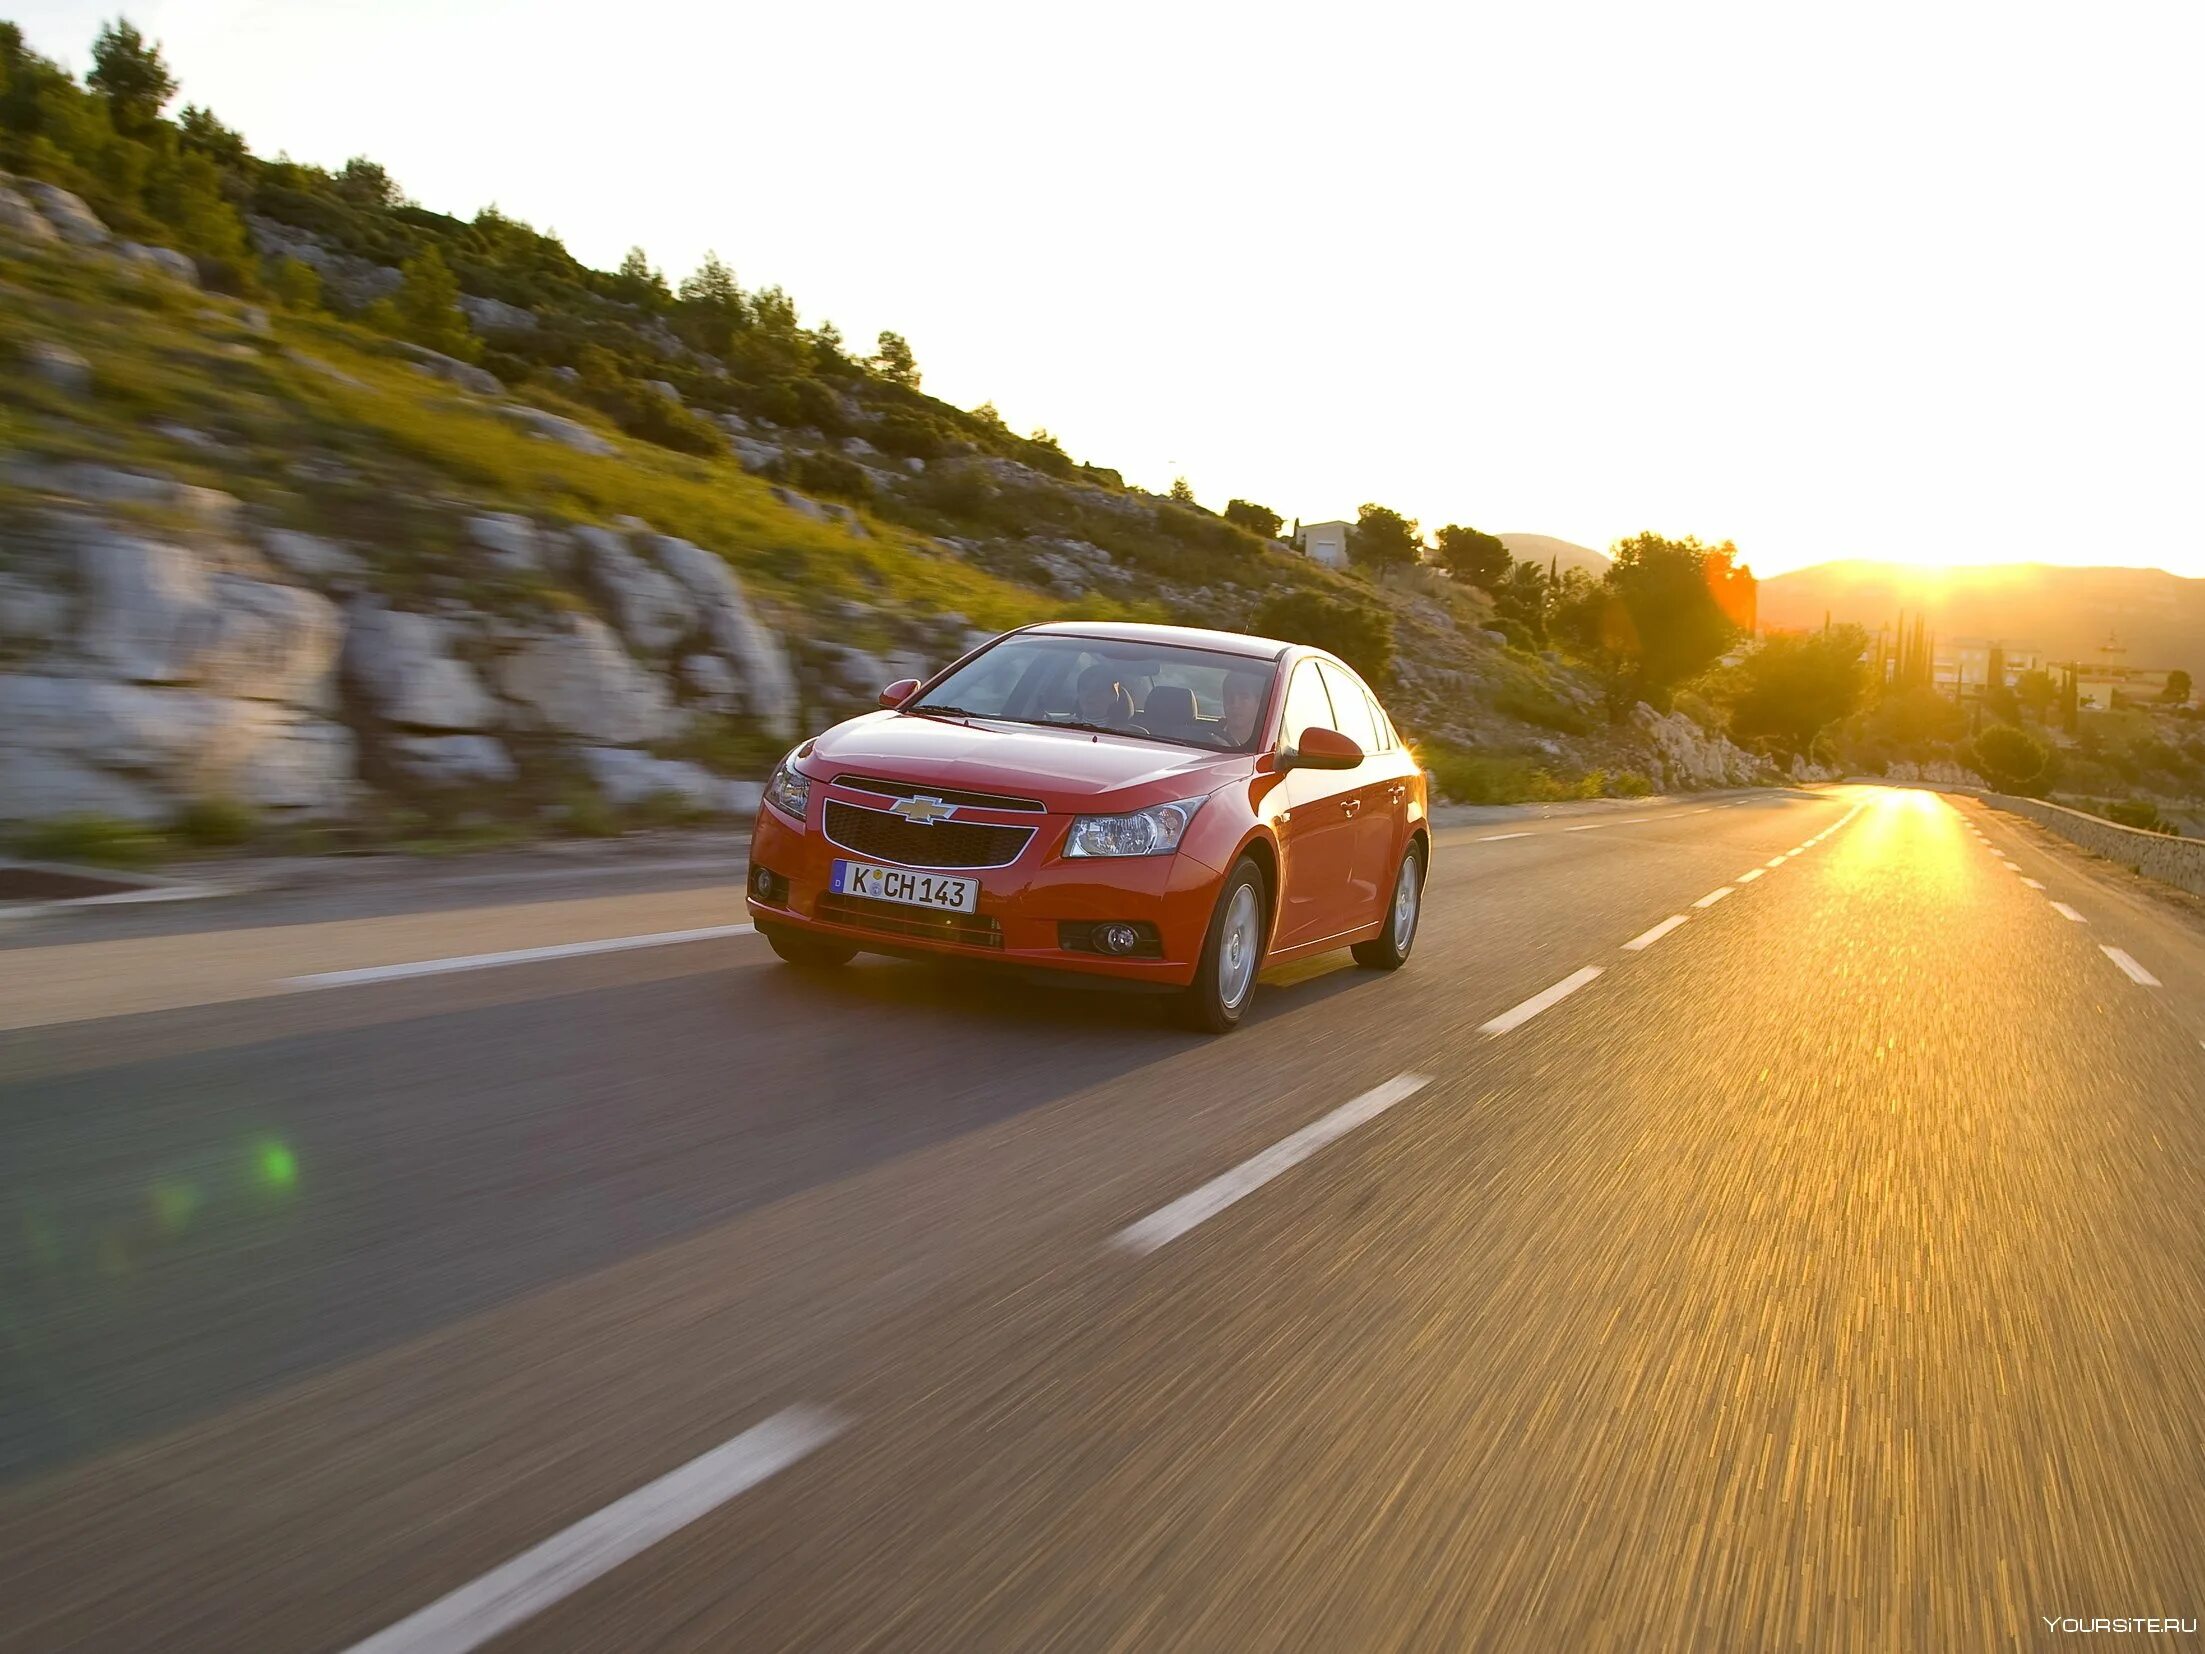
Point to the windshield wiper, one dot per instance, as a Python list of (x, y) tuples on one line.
[(952, 711)]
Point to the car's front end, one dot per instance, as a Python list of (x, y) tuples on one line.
[(864, 843)]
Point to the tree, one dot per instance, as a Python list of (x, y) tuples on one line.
[(131, 76), (894, 362), (642, 284), (1796, 685), (2013, 760), (365, 184), (1384, 539), (1259, 520), (1360, 634), (1182, 491), (199, 130), (1520, 602), (712, 306), (2177, 692), (427, 305), (2036, 691), (1682, 600), (1479, 559)]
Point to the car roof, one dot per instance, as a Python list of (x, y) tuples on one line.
[(1188, 637)]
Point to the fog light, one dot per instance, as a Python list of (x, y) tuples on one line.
[(769, 886), (1117, 938)]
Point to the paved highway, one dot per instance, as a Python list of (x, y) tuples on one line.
[(1752, 1222)]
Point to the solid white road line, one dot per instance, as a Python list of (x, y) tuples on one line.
[(1712, 897), (1750, 874), (564, 1563), (2066, 912), (1495, 838), (515, 956), (1168, 1223), (2033, 884), (2135, 972), (1517, 1016), (1647, 938)]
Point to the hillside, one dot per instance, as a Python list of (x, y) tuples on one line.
[(2065, 612), (318, 507), (1546, 551)]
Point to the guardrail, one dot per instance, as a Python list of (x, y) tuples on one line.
[(2175, 861)]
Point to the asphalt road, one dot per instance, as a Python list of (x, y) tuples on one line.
[(1827, 1270)]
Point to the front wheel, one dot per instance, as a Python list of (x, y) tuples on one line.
[(798, 947), (1232, 953), (1389, 949)]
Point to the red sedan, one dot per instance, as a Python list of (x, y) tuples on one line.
[(1147, 806)]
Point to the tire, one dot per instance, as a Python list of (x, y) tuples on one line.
[(1232, 954), (1389, 949), (806, 951)]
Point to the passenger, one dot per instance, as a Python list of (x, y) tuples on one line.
[(1103, 699), (1245, 693)]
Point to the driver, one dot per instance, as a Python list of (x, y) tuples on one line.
[(1102, 699), (1245, 693)]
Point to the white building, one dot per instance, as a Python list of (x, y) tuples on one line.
[(1324, 543)]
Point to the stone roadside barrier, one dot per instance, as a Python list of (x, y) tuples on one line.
[(2176, 861)]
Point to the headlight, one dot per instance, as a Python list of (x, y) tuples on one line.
[(789, 792), (1155, 831)]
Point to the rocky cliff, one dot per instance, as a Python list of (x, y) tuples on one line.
[(278, 560)]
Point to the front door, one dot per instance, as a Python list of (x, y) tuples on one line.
[(1318, 833)]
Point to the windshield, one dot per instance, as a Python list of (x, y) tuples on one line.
[(1164, 692)]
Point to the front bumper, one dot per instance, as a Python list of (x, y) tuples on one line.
[(1021, 907)]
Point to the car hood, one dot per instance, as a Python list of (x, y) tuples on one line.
[(1064, 768)]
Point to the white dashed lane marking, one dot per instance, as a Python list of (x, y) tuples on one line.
[(1647, 938), (1750, 874), (515, 956), (2033, 884), (594, 1546), (2066, 912), (1168, 1223), (1712, 897), (2129, 968), (1516, 1016)]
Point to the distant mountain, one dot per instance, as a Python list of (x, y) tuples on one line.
[(2159, 618), (1544, 549)]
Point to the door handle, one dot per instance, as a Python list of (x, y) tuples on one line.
[(1397, 792), (1350, 806)]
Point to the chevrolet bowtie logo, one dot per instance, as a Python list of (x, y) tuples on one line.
[(925, 811)]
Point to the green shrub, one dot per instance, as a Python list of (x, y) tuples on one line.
[(1630, 784), (583, 814), (830, 474), (1535, 704), (1358, 633), (216, 823), (2138, 812), (100, 841)]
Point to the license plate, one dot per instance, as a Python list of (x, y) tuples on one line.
[(897, 884)]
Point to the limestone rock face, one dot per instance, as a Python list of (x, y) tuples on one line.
[(452, 760), (401, 663), (651, 609), (769, 686), (59, 366), (579, 681), (71, 219)]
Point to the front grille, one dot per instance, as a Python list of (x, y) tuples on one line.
[(942, 844), (970, 930), (948, 795)]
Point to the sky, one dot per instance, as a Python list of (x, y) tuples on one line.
[(1918, 281)]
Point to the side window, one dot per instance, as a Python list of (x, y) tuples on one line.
[(1306, 704), (1352, 707), (1387, 740)]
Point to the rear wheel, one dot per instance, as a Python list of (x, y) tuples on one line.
[(1225, 980), (1389, 949), (801, 948)]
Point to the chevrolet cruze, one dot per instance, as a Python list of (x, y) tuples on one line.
[(1147, 806)]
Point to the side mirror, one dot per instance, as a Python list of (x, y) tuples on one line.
[(899, 692), (1321, 749)]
